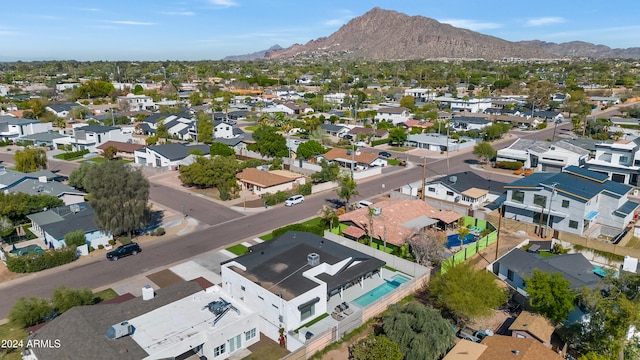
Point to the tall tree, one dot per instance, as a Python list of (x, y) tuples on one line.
[(218, 148), (455, 291), (309, 149), (119, 197), (484, 151), (549, 294), (204, 128), (419, 330), (30, 159), (328, 172), (397, 136), (78, 176), (428, 247), (408, 102), (269, 142), (347, 188)]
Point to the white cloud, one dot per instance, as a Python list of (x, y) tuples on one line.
[(344, 16), (545, 21), (179, 13), (223, 3), (128, 22), (471, 24)]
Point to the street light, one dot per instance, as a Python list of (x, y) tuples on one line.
[(553, 192)]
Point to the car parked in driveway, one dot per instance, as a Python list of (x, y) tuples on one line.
[(294, 200), (124, 250), (384, 154)]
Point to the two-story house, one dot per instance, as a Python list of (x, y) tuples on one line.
[(543, 155), (576, 200), (167, 155), (61, 110), (138, 102), (90, 136), (620, 161), (13, 128), (394, 115)]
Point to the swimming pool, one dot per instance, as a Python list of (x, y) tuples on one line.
[(28, 250), (374, 294), (453, 240)]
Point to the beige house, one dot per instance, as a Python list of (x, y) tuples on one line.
[(262, 182)]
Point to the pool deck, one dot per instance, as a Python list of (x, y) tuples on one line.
[(348, 296)]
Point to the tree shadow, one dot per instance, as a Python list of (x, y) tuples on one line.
[(472, 161)]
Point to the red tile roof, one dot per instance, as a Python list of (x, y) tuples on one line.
[(339, 153), (263, 179)]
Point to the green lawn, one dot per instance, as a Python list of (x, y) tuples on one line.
[(104, 295), (312, 321), (393, 162), (251, 128), (238, 249), (546, 254), (266, 237), (401, 148), (313, 222), (9, 331)]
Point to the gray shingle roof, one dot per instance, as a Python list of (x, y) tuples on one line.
[(45, 136), (82, 329), (9, 178), (82, 220), (177, 151), (96, 128), (12, 120), (53, 188), (468, 179)]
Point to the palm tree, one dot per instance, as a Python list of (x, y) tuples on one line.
[(328, 214)]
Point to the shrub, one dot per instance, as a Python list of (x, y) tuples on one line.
[(75, 238), (91, 249), (112, 242), (305, 189), (379, 142), (278, 197), (542, 125), (34, 263), (510, 165), (160, 231), (125, 240), (317, 229), (73, 154), (30, 311), (101, 247)]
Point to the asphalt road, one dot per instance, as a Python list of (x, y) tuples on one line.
[(226, 227)]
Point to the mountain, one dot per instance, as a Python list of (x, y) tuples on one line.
[(389, 35), (583, 49), (253, 56)]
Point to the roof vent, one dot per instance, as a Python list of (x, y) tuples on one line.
[(516, 352), (74, 208), (147, 292), (453, 179), (120, 330), (377, 210), (313, 259)]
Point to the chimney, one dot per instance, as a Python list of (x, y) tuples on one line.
[(147, 292)]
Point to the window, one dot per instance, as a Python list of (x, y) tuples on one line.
[(573, 224), (218, 350), (510, 275), (565, 203), (449, 193), (307, 311), (432, 189), (540, 200), (624, 159), (517, 196), (274, 305), (242, 288), (250, 334), (260, 297)]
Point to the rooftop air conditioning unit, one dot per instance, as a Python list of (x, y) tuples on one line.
[(119, 330), (453, 179), (147, 292), (313, 259), (377, 210)]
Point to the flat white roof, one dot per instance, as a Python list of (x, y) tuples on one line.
[(177, 327)]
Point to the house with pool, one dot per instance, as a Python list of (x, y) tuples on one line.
[(291, 280)]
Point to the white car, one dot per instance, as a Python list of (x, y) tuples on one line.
[(363, 203), (297, 199), (360, 144)]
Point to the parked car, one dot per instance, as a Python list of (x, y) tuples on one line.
[(363, 203), (384, 154), (468, 333), (294, 200), (360, 144), (124, 250)]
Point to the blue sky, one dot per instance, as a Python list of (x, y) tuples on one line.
[(213, 29)]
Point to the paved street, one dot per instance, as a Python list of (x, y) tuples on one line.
[(224, 227)]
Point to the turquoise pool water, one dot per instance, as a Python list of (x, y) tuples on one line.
[(381, 290), (454, 240)]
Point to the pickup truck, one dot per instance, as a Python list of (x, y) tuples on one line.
[(474, 335)]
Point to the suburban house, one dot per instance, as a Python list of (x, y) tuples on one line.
[(620, 161), (543, 155), (263, 182), (239, 143), (138, 102), (465, 188), (279, 108), (54, 224), (289, 280), (335, 98), (11, 178), (517, 265), (394, 115), (334, 129), (348, 158), (125, 150), (179, 321), (576, 200), (374, 134), (470, 122), (532, 326), (423, 124), (225, 131), (299, 109), (500, 347), (395, 221), (420, 94), (41, 186), (438, 142), (45, 139), (473, 105), (90, 136), (13, 128), (167, 155), (61, 110)]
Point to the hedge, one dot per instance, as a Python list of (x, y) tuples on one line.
[(305, 189), (511, 165), (73, 154), (50, 259), (278, 197), (379, 142), (314, 229)]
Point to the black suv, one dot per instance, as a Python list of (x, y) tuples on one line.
[(124, 250)]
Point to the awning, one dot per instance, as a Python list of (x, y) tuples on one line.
[(591, 215), (308, 303)]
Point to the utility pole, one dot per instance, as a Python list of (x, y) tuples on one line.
[(498, 234), (424, 175)]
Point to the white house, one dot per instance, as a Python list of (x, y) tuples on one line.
[(395, 115), (61, 110), (473, 105), (420, 94), (12, 128), (90, 136), (543, 155), (289, 280), (336, 98), (166, 155), (279, 108), (138, 102), (619, 160)]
